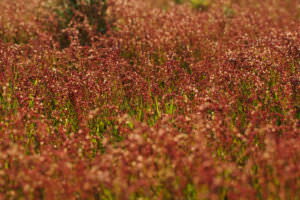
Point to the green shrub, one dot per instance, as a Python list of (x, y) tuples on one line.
[(76, 13), (201, 4)]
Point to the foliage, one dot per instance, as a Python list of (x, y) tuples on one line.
[(132, 99)]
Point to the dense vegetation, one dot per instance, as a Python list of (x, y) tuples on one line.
[(140, 99)]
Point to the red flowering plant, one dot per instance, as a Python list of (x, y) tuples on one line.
[(155, 99)]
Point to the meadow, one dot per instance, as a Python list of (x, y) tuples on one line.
[(149, 99)]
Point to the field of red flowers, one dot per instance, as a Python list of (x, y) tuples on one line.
[(150, 99)]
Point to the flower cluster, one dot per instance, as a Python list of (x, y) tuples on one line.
[(160, 99)]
